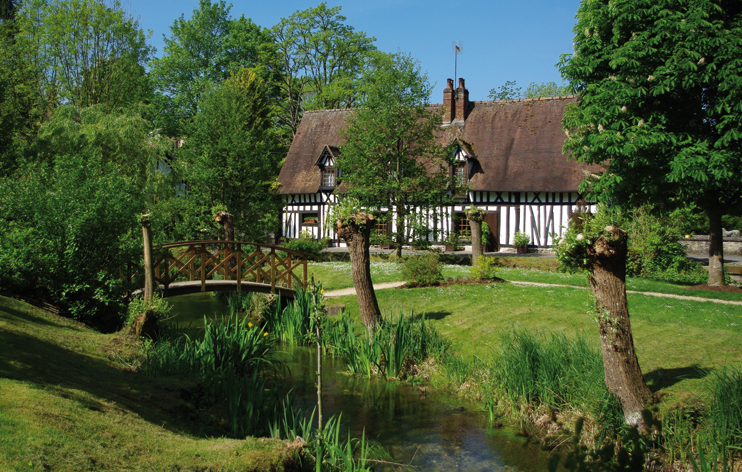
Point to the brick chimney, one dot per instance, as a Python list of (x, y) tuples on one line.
[(462, 102), (449, 103)]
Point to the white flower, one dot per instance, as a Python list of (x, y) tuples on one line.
[(641, 123), (580, 237), (600, 128), (650, 78), (587, 32), (702, 61), (623, 109)]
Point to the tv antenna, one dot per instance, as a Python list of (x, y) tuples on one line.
[(458, 48)]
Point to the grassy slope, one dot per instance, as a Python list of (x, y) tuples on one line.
[(66, 405), (675, 339)]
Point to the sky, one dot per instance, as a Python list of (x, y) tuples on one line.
[(520, 40)]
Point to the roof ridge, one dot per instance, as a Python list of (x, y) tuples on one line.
[(534, 99), (325, 110)]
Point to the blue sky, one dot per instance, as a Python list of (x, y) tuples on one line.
[(503, 40)]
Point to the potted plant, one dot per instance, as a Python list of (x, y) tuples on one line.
[(520, 241), (452, 241), (486, 237)]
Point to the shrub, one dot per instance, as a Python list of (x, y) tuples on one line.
[(521, 239), (306, 243), (157, 307), (484, 269), (423, 270)]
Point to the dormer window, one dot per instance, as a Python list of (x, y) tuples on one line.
[(328, 172), (463, 158), (329, 177)]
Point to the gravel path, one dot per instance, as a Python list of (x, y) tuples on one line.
[(651, 294), (352, 291)]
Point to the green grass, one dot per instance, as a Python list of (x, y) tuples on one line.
[(69, 402), (675, 339), (336, 275)]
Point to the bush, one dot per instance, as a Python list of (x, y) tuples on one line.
[(484, 269), (306, 243), (521, 239), (423, 270), (157, 307)]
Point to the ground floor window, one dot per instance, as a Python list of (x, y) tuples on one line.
[(461, 225)]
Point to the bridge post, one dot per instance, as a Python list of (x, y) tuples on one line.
[(149, 280)]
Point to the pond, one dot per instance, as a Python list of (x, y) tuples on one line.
[(420, 426)]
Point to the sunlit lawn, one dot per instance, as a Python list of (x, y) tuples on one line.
[(674, 339)]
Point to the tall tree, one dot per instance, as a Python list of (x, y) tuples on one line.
[(229, 158), (83, 51), (200, 54), (321, 60), (391, 157), (660, 87)]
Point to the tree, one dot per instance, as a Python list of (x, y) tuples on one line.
[(509, 91), (83, 52), (229, 158), (660, 87), (321, 60), (476, 217), (599, 249), (200, 54), (391, 157)]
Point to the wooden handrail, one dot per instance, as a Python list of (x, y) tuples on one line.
[(228, 260)]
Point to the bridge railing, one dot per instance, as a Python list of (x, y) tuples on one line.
[(229, 260)]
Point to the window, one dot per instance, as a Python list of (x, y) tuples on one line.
[(459, 173), (382, 226), (329, 175), (310, 219), (461, 224)]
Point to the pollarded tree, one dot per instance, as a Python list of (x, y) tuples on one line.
[(660, 87), (599, 249), (230, 156), (391, 157)]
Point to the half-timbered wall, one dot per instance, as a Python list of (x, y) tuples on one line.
[(540, 215)]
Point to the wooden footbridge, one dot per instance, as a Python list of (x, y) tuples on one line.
[(205, 266)]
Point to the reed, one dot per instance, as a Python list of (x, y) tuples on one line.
[(236, 365)]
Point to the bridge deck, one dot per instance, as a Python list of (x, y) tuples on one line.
[(183, 288)]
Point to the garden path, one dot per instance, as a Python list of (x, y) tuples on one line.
[(352, 291)]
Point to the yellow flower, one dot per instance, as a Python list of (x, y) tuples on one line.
[(265, 334), (249, 325)]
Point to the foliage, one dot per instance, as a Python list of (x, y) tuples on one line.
[(68, 231), (293, 324), (229, 157), (509, 91), (395, 346), (391, 157), (157, 307), (725, 412), (306, 243), (475, 213), (423, 270), (200, 54), (234, 363), (485, 268), (659, 85), (571, 248), (486, 233), (521, 239), (83, 52), (320, 60)]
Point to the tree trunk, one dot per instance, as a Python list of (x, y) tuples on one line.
[(227, 221), (623, 377), (716, 246), (356, 232), (476, 239), (400, 232)]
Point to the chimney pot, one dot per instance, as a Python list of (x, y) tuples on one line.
[(462, 102)]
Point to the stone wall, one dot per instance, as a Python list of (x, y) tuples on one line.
[(700, 245)]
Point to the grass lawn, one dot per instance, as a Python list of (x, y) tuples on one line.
[(677, 341), (336, 275), (68, 402)]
